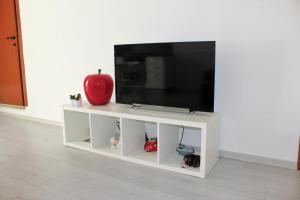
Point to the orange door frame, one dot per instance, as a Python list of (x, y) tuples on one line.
[(21, 56)]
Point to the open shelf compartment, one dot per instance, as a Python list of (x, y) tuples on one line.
[(103, 128), (133, 132), (77, 130), (169, 138)]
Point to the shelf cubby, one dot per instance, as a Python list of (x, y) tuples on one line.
[(169, 138), (133, 133), (102, 129), (77, 128)]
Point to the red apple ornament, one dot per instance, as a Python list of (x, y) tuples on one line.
[(98, 88)]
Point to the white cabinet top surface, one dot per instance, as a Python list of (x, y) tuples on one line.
[(125, 111)]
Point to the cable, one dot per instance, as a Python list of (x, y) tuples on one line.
[(182, 149), (118, 124), (181, 135)]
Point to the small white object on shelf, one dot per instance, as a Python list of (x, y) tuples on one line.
[(76, 103), (115, 142), (76, 100)]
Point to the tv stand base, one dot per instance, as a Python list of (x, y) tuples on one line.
[(91, 128), (160, 108)]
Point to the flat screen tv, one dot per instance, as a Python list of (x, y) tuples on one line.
[(177, 74)]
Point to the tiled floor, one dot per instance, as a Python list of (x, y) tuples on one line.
[(34, 164)]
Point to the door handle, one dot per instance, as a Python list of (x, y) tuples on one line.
[(11, 38)]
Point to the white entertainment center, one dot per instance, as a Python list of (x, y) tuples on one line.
[(91, 127)]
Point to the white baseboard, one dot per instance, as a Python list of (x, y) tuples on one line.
[(258, 159), (34, 119)]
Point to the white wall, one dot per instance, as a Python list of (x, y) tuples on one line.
[(257, 68)]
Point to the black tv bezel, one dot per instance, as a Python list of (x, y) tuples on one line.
[(211, 109)]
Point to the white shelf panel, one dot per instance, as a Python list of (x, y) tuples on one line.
[(140, 154), (81, 144), (198, 120), (109, 150), (99, 124), (175, 161)]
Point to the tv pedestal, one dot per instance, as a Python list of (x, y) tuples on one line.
[(160, 108), (90, 128)]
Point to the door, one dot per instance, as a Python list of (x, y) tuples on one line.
[(12, 76)]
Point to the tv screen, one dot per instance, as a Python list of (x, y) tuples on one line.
[(179, 74)]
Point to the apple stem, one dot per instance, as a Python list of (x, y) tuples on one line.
[(99, 71)]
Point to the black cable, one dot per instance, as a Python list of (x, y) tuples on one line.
[(118, 124), (181, 135)]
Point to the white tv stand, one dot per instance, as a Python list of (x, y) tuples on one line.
[(98, 124)]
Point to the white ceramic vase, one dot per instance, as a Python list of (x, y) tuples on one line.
[(76, 103)]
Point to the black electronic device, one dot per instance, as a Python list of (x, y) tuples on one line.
[(176, 74)]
